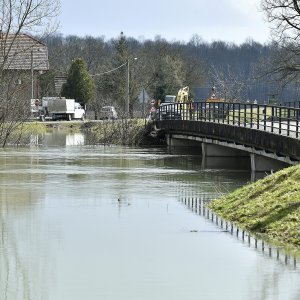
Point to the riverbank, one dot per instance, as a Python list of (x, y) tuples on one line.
[(74, 126), (268, 208), (129, 132)]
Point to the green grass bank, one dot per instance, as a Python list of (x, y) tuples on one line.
[(268, 208)]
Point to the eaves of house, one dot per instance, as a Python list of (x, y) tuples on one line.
[(23, 52)]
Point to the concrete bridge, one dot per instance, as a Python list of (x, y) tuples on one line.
[(268, 136)]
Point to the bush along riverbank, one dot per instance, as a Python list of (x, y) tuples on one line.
[(268, 208), (128, 132), (16, 134)]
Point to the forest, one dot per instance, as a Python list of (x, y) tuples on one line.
[(239, 72), (118, 71)]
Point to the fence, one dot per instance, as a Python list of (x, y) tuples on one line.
[(198, 205), (282, 120)]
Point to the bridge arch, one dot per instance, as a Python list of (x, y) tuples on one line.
[(266, 150)]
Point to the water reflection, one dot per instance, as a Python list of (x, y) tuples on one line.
[(215, 162), (105, 223), (61, 138), (23, 251), (198, 205)]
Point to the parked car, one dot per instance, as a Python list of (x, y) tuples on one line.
[(108, 113)]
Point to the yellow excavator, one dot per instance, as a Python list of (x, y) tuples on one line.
[(186, 105), (183, 95), (182, 109)]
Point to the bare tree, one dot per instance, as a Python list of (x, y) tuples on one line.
[(34, 16), (231, 86), (283, 63), (18, 54), (285, 16), (281, 66)]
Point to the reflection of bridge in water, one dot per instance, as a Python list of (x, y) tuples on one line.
[(198, 205), (269, 136)]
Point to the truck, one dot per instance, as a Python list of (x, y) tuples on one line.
[(168, 109), (64, 109)]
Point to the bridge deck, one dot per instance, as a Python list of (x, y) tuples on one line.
[(271, 129)]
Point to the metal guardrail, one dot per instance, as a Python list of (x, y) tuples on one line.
[(281, 120), (294, 104)]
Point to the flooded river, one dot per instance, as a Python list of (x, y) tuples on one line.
[(93, 222)]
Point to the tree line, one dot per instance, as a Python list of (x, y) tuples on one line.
[(239, 72)]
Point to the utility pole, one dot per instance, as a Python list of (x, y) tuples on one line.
[(127, 102), (31, 66), (128, 91)]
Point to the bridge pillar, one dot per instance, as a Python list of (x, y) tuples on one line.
[(218, 156), (261, 163), (228, 163), (177, 142), (214, 150), (214, 154)]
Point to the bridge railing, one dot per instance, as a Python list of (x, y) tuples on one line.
[(276, 119), (295, 104)]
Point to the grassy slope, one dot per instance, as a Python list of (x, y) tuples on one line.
[(270, 207)]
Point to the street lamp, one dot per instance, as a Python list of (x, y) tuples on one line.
[(128, 89)]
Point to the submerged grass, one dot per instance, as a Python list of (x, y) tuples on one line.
[(33, 127), (269, 207), (19, 133), (120, 132)]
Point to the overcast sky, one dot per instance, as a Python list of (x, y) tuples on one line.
[(227, 20)]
